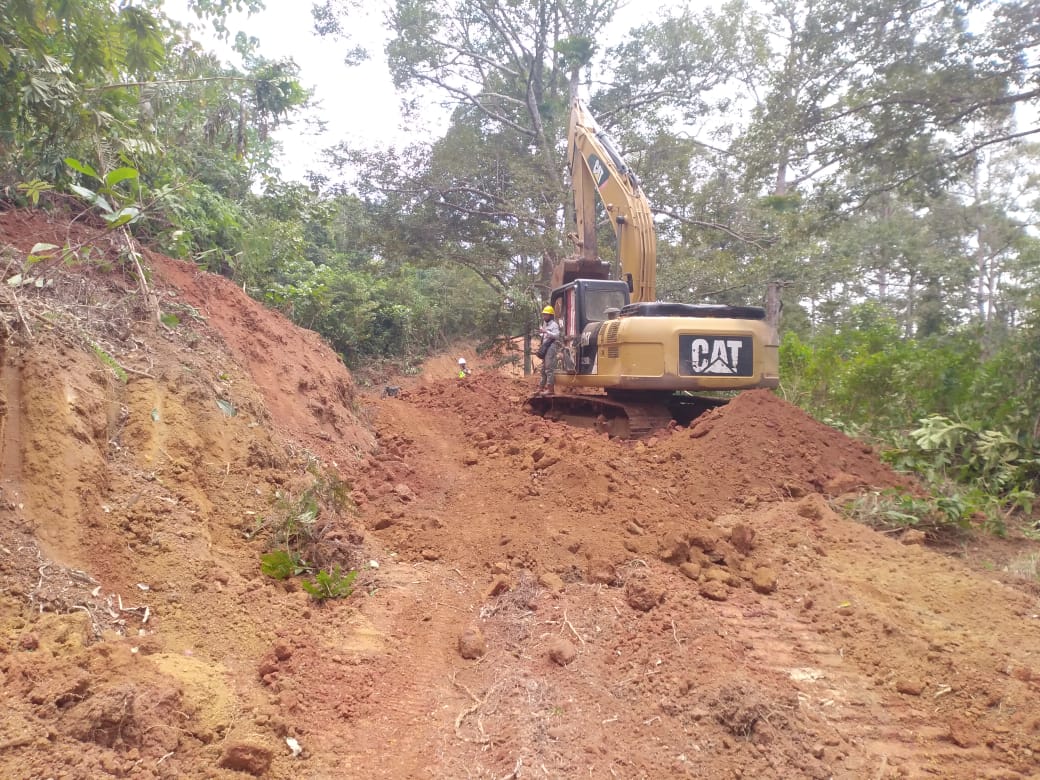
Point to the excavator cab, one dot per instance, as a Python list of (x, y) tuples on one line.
[(582, 307)]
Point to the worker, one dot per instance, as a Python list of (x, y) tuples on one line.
[(464, 370), (550, 333)]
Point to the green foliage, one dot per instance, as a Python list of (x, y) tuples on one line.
[(868, 375), (106, 198), (34, 189), (296, 527), (330, 584), (995, 461), (281, 564), (898, 509), (925, 400), (111, 362)]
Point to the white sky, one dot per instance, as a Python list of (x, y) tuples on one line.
[(358, 103)]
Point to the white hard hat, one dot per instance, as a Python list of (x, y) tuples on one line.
[(462, 361)]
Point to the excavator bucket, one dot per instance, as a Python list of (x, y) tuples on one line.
[(579, 267)]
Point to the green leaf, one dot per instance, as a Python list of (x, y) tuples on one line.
[(41, 248), (124, 216), (81, 167), (92, 197), (278, 564), (120, 174)]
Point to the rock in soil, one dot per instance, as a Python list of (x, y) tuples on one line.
[(562, 651), (472, 643)]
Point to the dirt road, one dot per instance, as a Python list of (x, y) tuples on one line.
[(534, 600)]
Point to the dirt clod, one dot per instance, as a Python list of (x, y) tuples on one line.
[(910, 686), (691, 570), (601, 571), (764, 580), (963, 733), (714, 590), (643, 594), (913, 536), (247, 757), (501, 584), (673, 548), (472, 644), (551, 582), (562, 651), (742, 538)]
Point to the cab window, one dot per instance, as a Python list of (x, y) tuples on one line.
[(598, 301)]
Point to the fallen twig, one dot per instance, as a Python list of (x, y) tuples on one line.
[(567, 623), (516, 770), (477, 704)]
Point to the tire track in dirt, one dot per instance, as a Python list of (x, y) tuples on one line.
[(884, 646), (404, 724)]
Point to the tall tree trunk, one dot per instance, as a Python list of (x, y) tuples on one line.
[(773, 305)]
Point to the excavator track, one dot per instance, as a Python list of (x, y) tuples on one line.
[(625, 420)]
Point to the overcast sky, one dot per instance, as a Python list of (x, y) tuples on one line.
[(358, 103)]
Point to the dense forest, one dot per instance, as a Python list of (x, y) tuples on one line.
[(877, 161)]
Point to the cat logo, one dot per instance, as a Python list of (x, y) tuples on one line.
[(715, 356), (600, 172)]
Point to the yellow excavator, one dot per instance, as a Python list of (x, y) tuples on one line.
[(628, 364)]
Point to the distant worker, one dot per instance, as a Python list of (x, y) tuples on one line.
[(464, 370), (550, 333)]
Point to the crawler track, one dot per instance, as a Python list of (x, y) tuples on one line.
[(622, 418)]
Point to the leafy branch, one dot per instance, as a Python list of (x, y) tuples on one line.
[(106, 200)]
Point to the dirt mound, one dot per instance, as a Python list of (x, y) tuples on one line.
[(758, 446), (306, 389)]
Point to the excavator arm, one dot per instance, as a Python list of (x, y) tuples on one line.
[(598, 168)]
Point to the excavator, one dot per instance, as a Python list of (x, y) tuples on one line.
[(628, 364)]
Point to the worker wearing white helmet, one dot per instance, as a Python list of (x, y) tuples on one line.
[(464, 370)]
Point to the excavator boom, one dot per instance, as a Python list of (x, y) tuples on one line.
[(597, 169)]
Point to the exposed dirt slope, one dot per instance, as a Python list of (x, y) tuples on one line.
[(687, 606)]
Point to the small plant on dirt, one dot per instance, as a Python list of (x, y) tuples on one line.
[(119, 209), (330, 584), (896, 509), (281, 564), (106, 199), (297, 532), (34, 189), (110, 361)]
